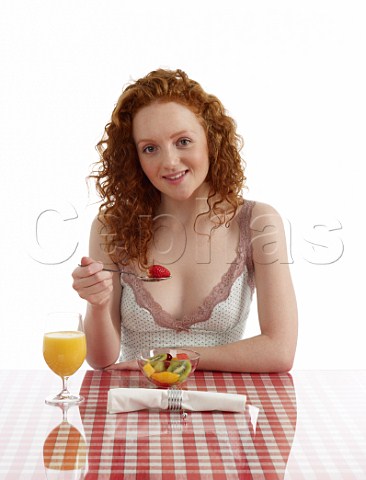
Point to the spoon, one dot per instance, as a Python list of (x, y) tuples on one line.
[(144, 278)]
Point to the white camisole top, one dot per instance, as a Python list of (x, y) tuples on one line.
[(219, 320)]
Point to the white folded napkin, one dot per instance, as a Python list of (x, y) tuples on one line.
[(132, 399)]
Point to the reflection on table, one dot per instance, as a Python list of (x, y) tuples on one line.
[(65, 451), (310, 425)]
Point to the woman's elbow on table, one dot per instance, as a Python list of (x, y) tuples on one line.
[(101, 364), (284, 358), (285, 363), (278, 354)]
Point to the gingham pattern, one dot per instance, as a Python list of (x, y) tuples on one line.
[(319, 433)]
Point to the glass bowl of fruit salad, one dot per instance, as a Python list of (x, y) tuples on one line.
[(168, 367)]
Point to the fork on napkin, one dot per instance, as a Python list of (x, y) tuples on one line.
[(132, 399)]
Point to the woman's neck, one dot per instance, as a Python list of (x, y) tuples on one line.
[(185, 211)]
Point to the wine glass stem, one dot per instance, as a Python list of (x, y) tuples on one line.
[(65, 392), (64, 416)]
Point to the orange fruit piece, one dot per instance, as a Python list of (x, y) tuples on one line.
[(165, 377), (148, 369)]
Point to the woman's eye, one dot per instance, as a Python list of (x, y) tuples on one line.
[(184, 141), (148, 149)]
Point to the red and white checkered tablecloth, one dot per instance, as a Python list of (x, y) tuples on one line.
[(311, 425), (205, 445)]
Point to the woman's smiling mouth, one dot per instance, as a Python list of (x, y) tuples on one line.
[(175, 177)]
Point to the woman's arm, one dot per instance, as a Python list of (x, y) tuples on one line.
[(102, 291), (274, 349)]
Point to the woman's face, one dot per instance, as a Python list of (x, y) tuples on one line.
[(172, 149)]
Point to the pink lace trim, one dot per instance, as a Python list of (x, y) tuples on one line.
[(219, 293)]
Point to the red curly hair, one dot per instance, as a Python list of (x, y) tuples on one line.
[(127, 194)]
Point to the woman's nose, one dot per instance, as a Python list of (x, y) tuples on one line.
[(170, 157)]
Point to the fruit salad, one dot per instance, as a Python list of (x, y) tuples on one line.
[(165, 370)]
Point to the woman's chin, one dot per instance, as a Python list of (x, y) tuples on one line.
[(187, 194)]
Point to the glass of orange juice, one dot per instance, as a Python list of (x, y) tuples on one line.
[(64, 351)]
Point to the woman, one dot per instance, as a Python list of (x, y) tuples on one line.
[(171, 179)]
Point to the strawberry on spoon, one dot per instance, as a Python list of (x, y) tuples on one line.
[(157, 271)]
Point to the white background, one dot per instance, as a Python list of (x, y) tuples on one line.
[(292, 75)]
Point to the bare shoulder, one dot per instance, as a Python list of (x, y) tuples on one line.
[(98, 240), (97, 225), (264, 215), (268, 235), (99, 228)]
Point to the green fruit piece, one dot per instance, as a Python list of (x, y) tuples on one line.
[(181, 367), (158, 358), (174, 364), (159, 366)]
